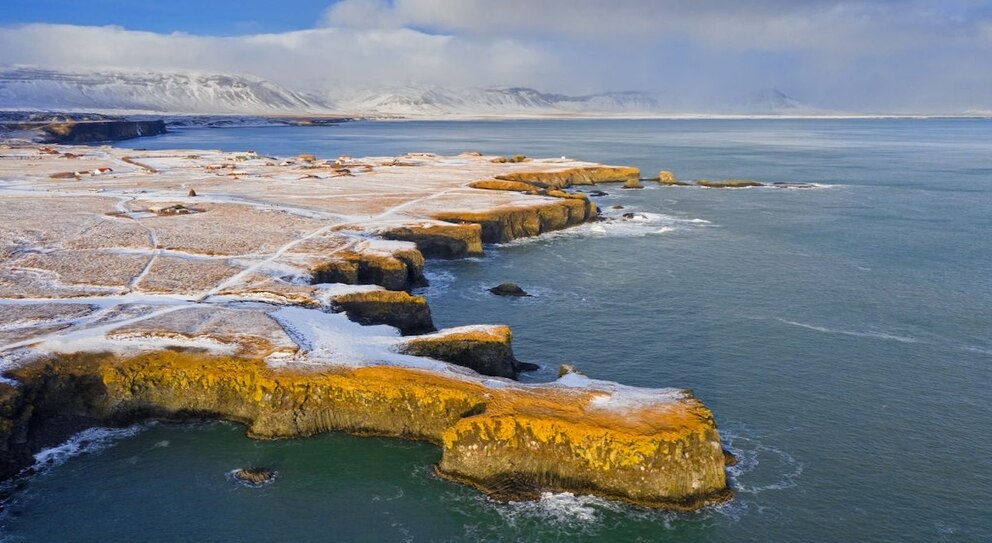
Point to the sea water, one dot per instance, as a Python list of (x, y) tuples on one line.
[(841, 335)]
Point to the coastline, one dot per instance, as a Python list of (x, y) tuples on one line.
[(177, 352)]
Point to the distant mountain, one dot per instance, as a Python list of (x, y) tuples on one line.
[(435, 101), (771, 102), (30, 88), (44, 89)]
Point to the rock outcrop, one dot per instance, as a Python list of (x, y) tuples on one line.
[(653, 448), (666, 177), (591, 175), (485, 349), (505, 224), (508, 289), (438, 240), (729, 183), (410, 314), (395, 271), (254, 476)]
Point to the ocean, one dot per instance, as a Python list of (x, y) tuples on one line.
[(841, 335)]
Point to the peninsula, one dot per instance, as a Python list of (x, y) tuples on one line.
[(274, 292)]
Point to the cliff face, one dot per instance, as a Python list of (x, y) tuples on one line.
[(92, 131), (505, 224), (511, 441)]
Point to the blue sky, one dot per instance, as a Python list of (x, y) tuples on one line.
[(209, 17), (839, 55)]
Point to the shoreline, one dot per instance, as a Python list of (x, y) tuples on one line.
[(231, 338)]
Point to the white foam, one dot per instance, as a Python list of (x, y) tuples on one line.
[(785, 470), (866, 334), (559, 508), (85, 442), (615, 226)]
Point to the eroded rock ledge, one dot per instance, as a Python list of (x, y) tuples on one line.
[(278, 299), (653, 448)]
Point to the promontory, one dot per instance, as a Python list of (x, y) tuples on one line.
[(276, 292)]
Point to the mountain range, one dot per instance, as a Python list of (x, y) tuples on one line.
[(32, 88)]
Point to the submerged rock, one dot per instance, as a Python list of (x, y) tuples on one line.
[(729, 183), (634, 217), (598, 193), (508, 289), (255, 476)]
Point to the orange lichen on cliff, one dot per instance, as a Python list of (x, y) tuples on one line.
[(665, 453), (576, 176)]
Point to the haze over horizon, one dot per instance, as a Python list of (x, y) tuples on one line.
[(869, 56)]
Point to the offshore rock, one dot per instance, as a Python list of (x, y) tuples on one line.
[(508, 289), (410, 314), (729, 183), (666, 177), (254, 476)]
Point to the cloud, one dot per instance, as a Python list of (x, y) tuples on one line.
[(918, 55), (308, 58)]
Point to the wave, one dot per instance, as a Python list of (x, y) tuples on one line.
[(558, 508), (865, 334), (616, 225), (88, 441)]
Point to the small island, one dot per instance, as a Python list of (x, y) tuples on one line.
[(274, 292)]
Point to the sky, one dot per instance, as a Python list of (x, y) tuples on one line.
[(910, 56)]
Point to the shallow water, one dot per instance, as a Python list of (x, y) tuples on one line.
[(841, 336)]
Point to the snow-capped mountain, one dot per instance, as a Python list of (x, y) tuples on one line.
[(31, 88), (44, 89), (496, 101)]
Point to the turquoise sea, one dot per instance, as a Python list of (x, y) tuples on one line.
[(842, 336)]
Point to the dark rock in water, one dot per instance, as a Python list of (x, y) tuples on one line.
[(634, 217), (508, 289), (596, 193), (192, 193), (729, 183), (616, 207), (525, 366), (728, 458), (255, 476)]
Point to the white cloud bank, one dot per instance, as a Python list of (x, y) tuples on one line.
[(913, 56)]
